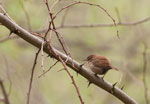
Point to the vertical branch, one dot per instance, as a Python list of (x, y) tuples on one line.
[(50, 27), (53, 28), (4, 92), (144, 75), (31, 78), (42, 55), (118, 15), (51, 49)]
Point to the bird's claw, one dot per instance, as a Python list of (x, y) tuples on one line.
[(96, 75), (103, 77)]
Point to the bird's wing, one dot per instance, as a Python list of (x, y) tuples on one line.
[(103, 62)]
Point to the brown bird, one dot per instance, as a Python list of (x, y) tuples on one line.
[(99, 64)]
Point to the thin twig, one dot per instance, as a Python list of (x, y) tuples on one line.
[(8, 38), (66, 50), (64, 17), (118, 15), (4, 12), (37, 34), (66, 26), (31, 77), (54, 4), (50, 24), (4, 92), (51, 50), (63, 43), (90, 4), (48, 69), (42, 55), (144, 75), (51, 33), (60, 70), (103, 25), (65, 67)]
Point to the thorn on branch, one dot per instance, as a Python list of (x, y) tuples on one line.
[(81, 65), (31, 77), (113, 88), (89, 84), (16, 31), (122, 87), (10, 33), (4, 14)]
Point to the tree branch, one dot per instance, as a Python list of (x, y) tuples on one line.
[(69, 26), (8, 38), (31, 77), (82, 70)]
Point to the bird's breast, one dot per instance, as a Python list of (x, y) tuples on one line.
[(95, 69)]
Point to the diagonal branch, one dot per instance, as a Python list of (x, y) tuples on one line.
[(31, 77), (57, 56), (7, 38), (48, 69), (118, 93)]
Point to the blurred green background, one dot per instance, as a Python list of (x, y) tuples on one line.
[(55, 87)]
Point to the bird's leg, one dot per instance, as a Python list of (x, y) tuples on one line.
[(113, 88), (96, 75), (103, 76)]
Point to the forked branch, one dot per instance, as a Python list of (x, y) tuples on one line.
[(118, 93)]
